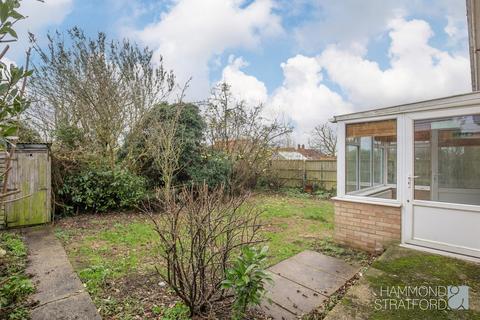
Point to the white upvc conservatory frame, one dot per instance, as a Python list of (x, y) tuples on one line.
[(405, 115)]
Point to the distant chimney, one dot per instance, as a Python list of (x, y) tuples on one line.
[(303, 146), (298, 146)]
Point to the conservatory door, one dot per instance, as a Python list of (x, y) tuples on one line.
[(442, 199)]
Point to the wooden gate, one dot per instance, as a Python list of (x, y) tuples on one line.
[(30, 175)]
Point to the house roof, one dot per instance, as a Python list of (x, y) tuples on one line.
[(466, 99), (291, 155), (308, 154)]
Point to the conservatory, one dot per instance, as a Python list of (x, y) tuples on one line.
[(411, 174)]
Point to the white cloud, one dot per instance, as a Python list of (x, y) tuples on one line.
[(244, 87), (347, 21), (39, 17), (303, 98), (417, 70), (193, 32)]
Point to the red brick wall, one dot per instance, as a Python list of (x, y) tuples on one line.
[(366, 226)]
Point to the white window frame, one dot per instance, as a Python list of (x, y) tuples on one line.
[(341, 163)]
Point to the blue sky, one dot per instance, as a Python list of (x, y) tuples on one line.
[(305, 60)]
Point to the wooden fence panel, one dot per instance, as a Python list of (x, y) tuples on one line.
[(297, 173)]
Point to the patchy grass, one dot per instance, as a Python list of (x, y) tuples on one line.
[(404, 267), (119, 245), (294, 223), (114, 254), (15, 285)]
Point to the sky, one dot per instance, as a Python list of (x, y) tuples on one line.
[(306, 61)]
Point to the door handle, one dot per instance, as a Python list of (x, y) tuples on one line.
[(410, 178)]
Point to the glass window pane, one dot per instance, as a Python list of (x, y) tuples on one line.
[(365, 162), (378, 163), (351, 163), (371, 162), (447, 160), (391, 163)]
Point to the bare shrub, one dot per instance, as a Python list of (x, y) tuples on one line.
[(243, 133), (272, 179), (201, 233)]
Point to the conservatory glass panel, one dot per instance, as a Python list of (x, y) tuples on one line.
[(447, 160), (371, 162), (352, 170)]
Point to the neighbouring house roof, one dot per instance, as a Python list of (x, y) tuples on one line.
[(311, 154), (232, 145), (290, 155), (307, 154), (465, 99)]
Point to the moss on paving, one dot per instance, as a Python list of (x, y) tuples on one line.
[(404, 267)]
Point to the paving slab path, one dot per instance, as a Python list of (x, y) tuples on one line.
[(303, 282), (60, 293)]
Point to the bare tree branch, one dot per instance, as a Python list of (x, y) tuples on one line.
[(324, 139)]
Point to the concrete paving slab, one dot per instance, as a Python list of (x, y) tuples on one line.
[(314, 279), (60, 293), (303, 282), (292, 296), (274, 311), (326, 263), (78, 307)]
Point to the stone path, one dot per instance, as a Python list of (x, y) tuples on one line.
[(60, 292), (303, 282)]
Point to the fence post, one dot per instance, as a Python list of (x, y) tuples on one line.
[(304, 173)]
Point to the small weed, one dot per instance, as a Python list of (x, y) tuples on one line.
[(178, 312), (13, 244), (156, 310), (19, 313)]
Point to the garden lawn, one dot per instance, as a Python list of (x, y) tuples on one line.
[(115, 254), (293, 223), (400, 267)]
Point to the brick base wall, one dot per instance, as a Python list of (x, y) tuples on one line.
[(366, 226)]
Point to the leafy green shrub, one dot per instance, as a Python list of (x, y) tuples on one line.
[(69, 137), (190, 133), (214, 170), (101, 190), (247, 280)]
